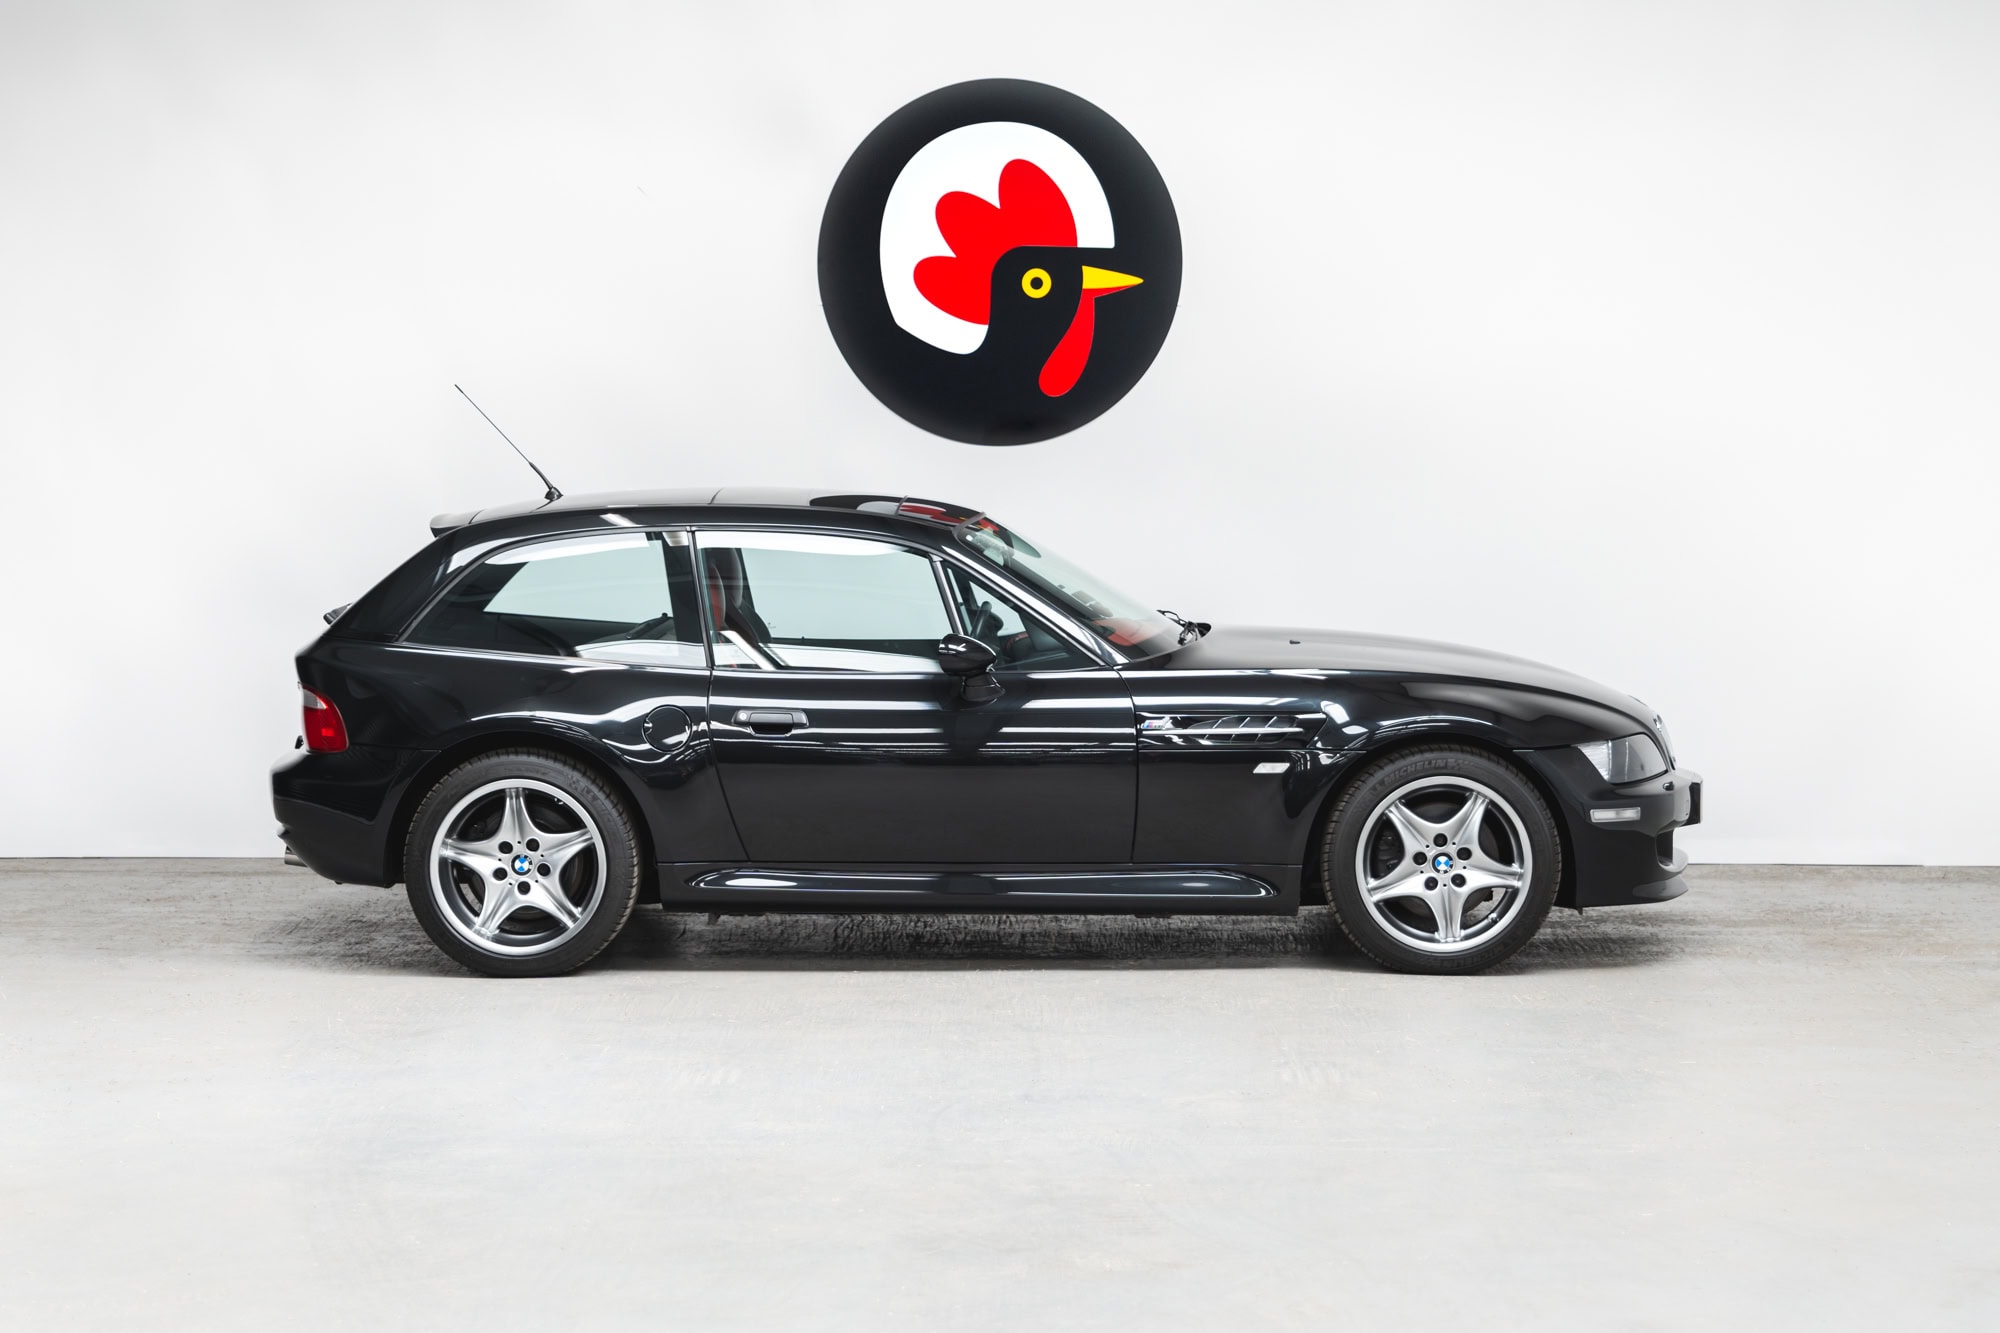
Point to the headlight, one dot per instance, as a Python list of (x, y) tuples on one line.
[(1660, 730), (1627, 759)]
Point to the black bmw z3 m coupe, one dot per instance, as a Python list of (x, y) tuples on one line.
[(747, 700)]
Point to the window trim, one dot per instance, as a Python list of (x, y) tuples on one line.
[(951, 615)]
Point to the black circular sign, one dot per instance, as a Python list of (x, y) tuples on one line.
[(999, 262)]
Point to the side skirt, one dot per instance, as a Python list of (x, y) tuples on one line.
[(1196, 890)]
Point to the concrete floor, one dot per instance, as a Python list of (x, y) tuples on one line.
[(235, 1096)]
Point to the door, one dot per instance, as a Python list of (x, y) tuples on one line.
[(840, 740)]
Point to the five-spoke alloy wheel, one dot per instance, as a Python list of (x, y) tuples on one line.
[(521, 863), (1443, 859)]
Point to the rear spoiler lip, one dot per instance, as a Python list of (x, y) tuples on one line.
[(444, 523)]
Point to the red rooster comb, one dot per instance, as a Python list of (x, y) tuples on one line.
[(1031, 211)]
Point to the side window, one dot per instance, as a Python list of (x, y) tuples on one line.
[(798, 601), (615, 597), (1023, 642)]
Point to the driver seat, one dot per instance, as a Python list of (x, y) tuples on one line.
[(729, 604)]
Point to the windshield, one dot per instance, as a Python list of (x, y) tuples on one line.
[(1129, 625)]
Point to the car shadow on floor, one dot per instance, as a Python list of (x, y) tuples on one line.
[(377, 933), (890, 941)]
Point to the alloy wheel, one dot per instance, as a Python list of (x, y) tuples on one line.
[(517, 867), (1444, 864)]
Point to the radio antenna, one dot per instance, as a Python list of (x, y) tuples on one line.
[(553, 494)]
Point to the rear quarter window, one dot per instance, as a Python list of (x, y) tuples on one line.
[(618, 597)]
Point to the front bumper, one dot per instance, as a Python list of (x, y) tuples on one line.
[(1627, 861), (337, 812)]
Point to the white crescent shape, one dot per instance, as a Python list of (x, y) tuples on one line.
[(969, 158)]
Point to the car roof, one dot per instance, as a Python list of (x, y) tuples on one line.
[(725, 497), (383, 609)]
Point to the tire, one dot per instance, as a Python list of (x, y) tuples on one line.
[(1395, 878), (568, 876)]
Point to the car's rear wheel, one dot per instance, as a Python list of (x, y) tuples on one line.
[(521, 863), (1441, 860)]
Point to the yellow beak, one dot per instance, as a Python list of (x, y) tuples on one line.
[(1104, 280)]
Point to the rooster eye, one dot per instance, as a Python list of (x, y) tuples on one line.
[(1035, 282)]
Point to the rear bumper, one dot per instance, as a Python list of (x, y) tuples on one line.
[(337, 811), (1624, 861)]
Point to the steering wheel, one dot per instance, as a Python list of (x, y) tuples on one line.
[(983, 622)]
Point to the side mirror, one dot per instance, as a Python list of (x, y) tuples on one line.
[(963, 655), (972, 662)]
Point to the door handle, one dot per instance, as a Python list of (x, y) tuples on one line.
[(770, 721)]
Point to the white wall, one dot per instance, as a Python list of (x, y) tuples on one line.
[(1656, 341)]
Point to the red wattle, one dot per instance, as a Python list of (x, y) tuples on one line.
[(1065, 365)]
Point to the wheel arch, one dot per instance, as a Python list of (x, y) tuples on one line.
[(488, 742), (1312, 876)]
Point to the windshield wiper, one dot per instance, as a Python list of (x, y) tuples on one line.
[(1189, 628)]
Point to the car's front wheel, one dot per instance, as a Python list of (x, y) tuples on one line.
[(521, 863), (1441, 860)]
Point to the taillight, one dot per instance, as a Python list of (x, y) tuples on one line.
[(325, 732)]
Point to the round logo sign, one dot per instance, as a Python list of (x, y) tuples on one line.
[(999, 262)]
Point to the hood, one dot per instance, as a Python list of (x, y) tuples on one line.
[(1228, 648)]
